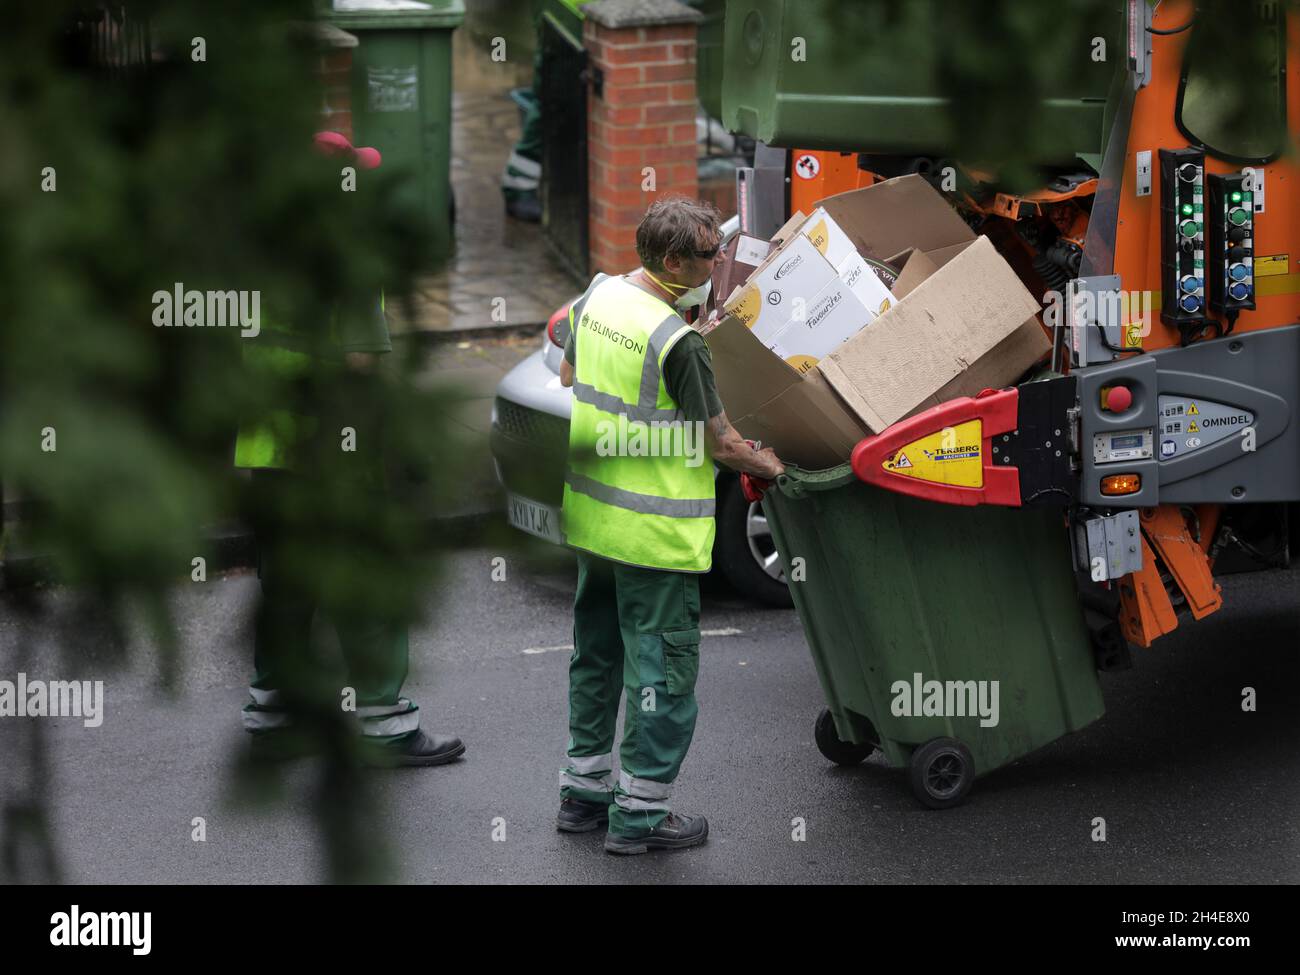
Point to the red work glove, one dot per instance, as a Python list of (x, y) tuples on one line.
[(753, 486)]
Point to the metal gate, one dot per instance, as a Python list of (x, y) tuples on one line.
[(564, 144)]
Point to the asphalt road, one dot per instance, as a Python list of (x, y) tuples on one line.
[(1192, 789)]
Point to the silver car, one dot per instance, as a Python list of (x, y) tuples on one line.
[(530, 436)]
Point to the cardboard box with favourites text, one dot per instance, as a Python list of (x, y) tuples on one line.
[(960, 321)]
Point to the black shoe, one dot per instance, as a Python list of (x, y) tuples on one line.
[(527, 208), (674, 833), (416, 749), (581, 816)]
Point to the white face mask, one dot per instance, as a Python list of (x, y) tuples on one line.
[(690, 297)]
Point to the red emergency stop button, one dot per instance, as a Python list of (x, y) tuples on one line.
[(1117, 399)]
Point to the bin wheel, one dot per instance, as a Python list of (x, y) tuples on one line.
[(941, 773), (835, 750)]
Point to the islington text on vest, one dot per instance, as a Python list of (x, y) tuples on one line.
[(611, 334), (53, 699), (218, 309)]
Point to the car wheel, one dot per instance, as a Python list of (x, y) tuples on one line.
[(745, 551)]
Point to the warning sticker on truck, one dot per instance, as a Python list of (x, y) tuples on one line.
[(1272, 264), (1181, 415), (953, 455)]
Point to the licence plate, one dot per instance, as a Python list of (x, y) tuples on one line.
[(536, 519)]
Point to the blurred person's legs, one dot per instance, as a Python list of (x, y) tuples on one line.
[(376, 651), (284, 665), (521, 181), (289, 684)]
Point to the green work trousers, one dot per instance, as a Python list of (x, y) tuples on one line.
[(635, 630)]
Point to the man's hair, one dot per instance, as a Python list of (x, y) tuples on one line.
[(674, 226)]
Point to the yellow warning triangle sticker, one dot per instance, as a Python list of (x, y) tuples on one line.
[(1193, 428), (901, 460), (1193, 411)]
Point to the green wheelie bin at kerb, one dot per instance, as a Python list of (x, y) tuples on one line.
[(949, 637), (401, 97)]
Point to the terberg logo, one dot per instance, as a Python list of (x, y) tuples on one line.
[(946, 699), (103, 929), (208, 308)]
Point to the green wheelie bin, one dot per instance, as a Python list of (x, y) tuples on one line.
[(950, 638), (401, 99)]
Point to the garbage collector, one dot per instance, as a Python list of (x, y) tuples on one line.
[(641, 520), (282, 450)]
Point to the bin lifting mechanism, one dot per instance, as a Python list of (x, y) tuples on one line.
[(1005, 447)]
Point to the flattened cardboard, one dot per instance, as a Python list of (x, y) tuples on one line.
[(917, 268), (922, 350), (767, 400), (896, 215)]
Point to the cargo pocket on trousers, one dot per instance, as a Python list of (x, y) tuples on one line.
[(681, 660)]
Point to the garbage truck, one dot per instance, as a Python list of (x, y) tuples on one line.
[(1159, 445)]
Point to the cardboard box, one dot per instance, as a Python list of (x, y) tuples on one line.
[(765, 302), (865, 285), (836, 246), (827, 237), (961, 321), (825, 322)]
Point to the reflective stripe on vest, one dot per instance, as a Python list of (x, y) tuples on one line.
[(651, 508)]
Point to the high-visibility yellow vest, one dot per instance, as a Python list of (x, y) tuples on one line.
[(639, 483), (275, 355)]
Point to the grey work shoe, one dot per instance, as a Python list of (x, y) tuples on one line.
[(581, 816), (676, 832), (416, 749)]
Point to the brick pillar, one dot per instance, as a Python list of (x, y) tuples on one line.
[(334, 73), (641, 105)]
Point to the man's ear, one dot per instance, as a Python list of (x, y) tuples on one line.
[(673, 264)]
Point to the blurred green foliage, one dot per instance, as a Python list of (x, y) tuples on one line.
[(169, 169), (998, 66)]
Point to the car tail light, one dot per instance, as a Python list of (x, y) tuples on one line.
[(557, 329)]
